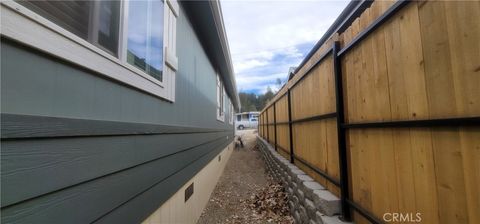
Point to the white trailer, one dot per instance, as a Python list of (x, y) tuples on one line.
[(246, 120)]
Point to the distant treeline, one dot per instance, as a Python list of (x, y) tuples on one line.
[(254, 102)]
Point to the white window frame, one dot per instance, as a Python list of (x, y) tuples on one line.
[(27, 27)]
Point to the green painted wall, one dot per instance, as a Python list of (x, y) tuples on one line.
[(108, 178)]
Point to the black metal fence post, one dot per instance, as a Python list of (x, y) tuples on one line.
[(342, 147), (292, 154), (275, 124)]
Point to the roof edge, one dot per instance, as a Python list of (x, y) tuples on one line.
[(219, 23), (207, 21)]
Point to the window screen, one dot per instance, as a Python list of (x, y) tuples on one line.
[(95, 21)]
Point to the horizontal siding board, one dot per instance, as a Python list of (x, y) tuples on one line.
[(100, 196), (27, 126), (34, 167), (54, 88), (140, 207)]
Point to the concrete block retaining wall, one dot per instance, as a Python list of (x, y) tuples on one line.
[(309, 202)]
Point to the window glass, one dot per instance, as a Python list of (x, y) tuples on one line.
[(231, 113), (239, 117), (222, 102), (94, 21), (145, 36), (220, 99), (108, 23)]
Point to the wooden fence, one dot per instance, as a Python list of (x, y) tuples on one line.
[(386, 113)]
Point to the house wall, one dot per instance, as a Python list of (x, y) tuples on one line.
[(177, 210), (79, 148)]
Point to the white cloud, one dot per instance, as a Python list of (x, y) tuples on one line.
[(246, 64), (264, 33), (243, 80)]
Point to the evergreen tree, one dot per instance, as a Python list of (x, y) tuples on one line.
[(253, 102)]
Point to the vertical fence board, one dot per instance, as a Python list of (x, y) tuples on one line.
[(463, 36), (271, 128), (332, 154), (470, 148), (436, 51), (365, 91), (424, 175), (282, 129), (450, 182), (360, 168)]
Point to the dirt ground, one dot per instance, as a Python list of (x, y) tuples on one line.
[(244, 191)]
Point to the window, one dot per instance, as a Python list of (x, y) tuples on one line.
[(220, 100), (145, 36), (239, 117), (133, 42)]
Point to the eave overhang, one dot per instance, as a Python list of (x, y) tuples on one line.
[(207, 20)]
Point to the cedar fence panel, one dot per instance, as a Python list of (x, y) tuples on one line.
[(405, 79)]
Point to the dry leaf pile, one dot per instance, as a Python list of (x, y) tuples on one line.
[(271, 203)]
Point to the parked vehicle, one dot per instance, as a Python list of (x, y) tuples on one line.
[(247, 120)]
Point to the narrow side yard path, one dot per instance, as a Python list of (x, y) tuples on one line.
[(245, 193)]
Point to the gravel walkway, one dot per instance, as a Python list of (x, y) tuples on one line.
[(245, 193)]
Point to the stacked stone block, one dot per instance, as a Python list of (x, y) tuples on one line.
[(309, 202)]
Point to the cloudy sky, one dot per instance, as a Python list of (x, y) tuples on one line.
[(268, 37)]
